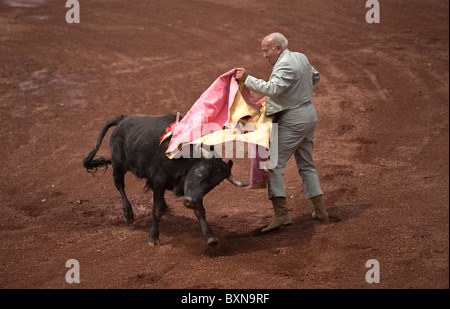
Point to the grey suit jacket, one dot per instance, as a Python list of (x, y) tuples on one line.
[(290, 85)]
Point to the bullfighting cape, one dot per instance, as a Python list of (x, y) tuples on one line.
[(225, 112)]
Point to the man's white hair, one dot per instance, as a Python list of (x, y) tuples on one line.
[(278, 38)]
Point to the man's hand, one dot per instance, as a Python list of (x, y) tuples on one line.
[(241, 74)]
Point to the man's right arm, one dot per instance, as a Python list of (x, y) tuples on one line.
[(280, 80)]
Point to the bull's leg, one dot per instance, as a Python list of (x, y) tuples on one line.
[(119, 182), (200, 213), (159, 205)]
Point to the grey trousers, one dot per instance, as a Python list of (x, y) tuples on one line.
[(296, 128)]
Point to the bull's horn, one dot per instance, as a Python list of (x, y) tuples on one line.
[(236, 182)]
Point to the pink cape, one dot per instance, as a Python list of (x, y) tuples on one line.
[(213, 107)]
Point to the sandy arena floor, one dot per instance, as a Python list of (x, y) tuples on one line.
[(382, 145)]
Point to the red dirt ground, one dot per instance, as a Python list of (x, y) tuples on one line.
[(382, 144)]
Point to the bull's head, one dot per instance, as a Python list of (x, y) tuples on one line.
[(205, 176)]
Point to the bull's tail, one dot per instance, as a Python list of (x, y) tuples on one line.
[(89, 162)]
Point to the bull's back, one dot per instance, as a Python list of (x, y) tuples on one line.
[(143, 126), (135, 142)]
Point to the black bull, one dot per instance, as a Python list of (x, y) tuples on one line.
[(135, 146)]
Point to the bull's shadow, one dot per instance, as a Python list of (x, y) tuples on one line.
[(180, 230)]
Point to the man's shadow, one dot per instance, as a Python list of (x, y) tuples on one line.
[(299, 233)]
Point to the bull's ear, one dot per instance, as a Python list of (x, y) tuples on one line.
[(230, 163)]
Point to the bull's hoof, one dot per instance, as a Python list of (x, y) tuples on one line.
[(212, 241), (129, 221), (154, 242)]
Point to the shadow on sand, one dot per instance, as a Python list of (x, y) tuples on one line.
[(299, 233)]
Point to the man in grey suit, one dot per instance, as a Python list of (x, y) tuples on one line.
[(288, 99)]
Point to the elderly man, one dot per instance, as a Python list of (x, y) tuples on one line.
[(288, 99)]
